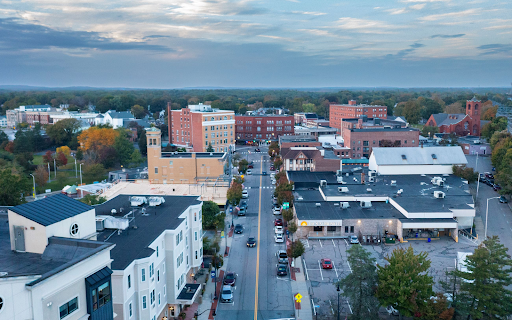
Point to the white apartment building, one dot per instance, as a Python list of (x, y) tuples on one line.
[(114, 118), (157, 251), (51, 267)]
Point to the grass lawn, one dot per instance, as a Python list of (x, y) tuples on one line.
[(417, 126)]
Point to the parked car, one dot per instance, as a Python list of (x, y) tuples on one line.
[(276, 209), (496, 187), (278, 229), (227, 294), (353, 240), (250, 166), (392, 311), (251, 242), (257, 150), (242, 210), (273, 181), (503, 199), (282, 270), (244, 203), (278, 222), (326, 263), (272, 168), (282, 257), (230, 278), (239, 229), (245, 194), (249, 172), (279, 238)]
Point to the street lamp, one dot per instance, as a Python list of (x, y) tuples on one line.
[(34, 192), (476, 169), (486, 214), (338, 290), (81, 173)]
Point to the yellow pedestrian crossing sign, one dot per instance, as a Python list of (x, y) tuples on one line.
[(298, 296)]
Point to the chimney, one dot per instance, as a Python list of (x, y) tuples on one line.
[(360, 123), (352, 102), (362, 178)]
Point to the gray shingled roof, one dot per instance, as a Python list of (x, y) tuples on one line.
[(457, 117), (121, 115), (419, 156), (51, 210)]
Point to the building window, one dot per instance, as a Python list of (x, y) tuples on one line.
[(170, 163), (159, 302), (143, 275), (144, 302), (68, 307), (157, 251), (346, 229), (129, 281), (195, 216), (130, 309), (405, 141), (177, 239), (156, 170), (152, 297), (412, 141), (158, 275), (165, 290), (351, 229), (163, 268), (100, 296), (195, 235), (151, 270), (196, 254)]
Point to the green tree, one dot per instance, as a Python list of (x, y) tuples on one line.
[(498, 136), (13, 186), (498, 124), (297, 249), (292, 228), (92, 199), (79, 155), (4, 139), (429, 131), (412, 112), (273, 149), (277, 163), (143, 144), (124, 148), (359, 285), (430, 107), (483, 290), (136, 158), (465, 173), (210, 212), (234, 193), (62, 132), (210, 148), (138, 111), (287, 214), (25, 160), (404, 283), (242, 166), (23, 142), (93, 172)]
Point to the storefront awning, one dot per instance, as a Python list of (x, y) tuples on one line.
[(429, 223)]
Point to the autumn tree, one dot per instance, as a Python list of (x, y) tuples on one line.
[(490, 114), (64, 149), (273, 149), (94, 139), (138, 111), (404, 283), (48, 157), (61, 159), (234, 193), (41, 175)]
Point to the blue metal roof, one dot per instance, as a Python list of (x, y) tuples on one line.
[(52, 209), (98, 276)]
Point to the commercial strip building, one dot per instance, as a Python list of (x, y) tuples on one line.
[(198, 126), (363, 134), (339, 112), (263, 128), (132, 257), (182, 167), (368, 204)]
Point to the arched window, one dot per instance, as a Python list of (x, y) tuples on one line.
[(476, 106)]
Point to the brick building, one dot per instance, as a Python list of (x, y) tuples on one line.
[(198, 126), (362, 134), (181, 167), (459, 123), (261, 128), (338, 112)]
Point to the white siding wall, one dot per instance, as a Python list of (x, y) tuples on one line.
[(412, 169)]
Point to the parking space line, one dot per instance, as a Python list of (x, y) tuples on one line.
[(346, 242), (333, 242), (330, 302), (335, 270), (320, 241), (306, 269), (321, 275), (349, 266), (350, 308)]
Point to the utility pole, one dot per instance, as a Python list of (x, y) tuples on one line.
[(49, 174), (54, 169), (81, 173)]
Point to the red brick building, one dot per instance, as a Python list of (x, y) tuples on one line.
[(361, 135), (338, 112), (261, 128), (198, 126), (459, 123)]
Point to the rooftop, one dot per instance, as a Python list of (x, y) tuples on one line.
[(133, 242), (52, 209), (296, 138), (309, 210), (419, 156)]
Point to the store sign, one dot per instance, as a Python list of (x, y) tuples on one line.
[(320, 223)]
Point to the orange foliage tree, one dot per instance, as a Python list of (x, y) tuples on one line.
[(94, 139)]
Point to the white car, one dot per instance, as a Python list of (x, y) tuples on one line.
[(245, 194), (278, 230), (273, 181), (279, 238), (354, 240), (276, 210), (249, 172)]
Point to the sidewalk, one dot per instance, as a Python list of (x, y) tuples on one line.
[(303, 309), (208, 305)]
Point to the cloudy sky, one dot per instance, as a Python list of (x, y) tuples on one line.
[(260, 43)]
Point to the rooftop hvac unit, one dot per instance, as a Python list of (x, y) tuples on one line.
[(138, 201), (366, 204), (439, 194), (393, 183), (156, 201), (339, 179), (344, 205), (318, 204), (399, 192), (368, 189), (355, 179), (371, 179), (438, 181), (372, 173), (323, 183), (339, 172), (343, 189)]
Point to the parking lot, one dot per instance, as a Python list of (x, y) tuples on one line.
[(322, 289)]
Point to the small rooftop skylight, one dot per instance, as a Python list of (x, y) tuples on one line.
[(404, 157), (434, 156)]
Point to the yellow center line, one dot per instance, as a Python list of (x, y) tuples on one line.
[(258, 248)]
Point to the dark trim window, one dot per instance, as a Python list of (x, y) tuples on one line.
[(68, 308), (101, 296), (346, 229), (331, 228), (351, 229), (317, 228)]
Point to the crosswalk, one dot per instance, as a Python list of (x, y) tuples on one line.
[(252, 152), (262, 187)]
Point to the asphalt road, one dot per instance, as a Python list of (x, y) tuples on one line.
[(274, 296), (500, 216)]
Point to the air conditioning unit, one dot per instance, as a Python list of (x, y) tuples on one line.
[(344, 205), (343, 189), (439, 194), (365, 204), (393, 183), (339, 179), (400, 191), (372, 173), (368, 189), (323, 183), (438, 181), (371, 179), (318, 204)]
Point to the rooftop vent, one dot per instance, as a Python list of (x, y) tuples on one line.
[(368, 189), (404, 157), (371, 179), (300, 198), (372, 173), (400, 191), (343, 189), (393, 183), (366, 204), (323, 183), (439, 194), (318, 204), (344, 205), (437, 181), (434, 156), (336, 204)]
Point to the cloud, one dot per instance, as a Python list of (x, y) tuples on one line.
[(23, 36), (364, 26), (409, 1), (404, 52), (496, 48), (216, 7), (313, 13), (465, 13), (418, 6), (406, 9), (447, 36)]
